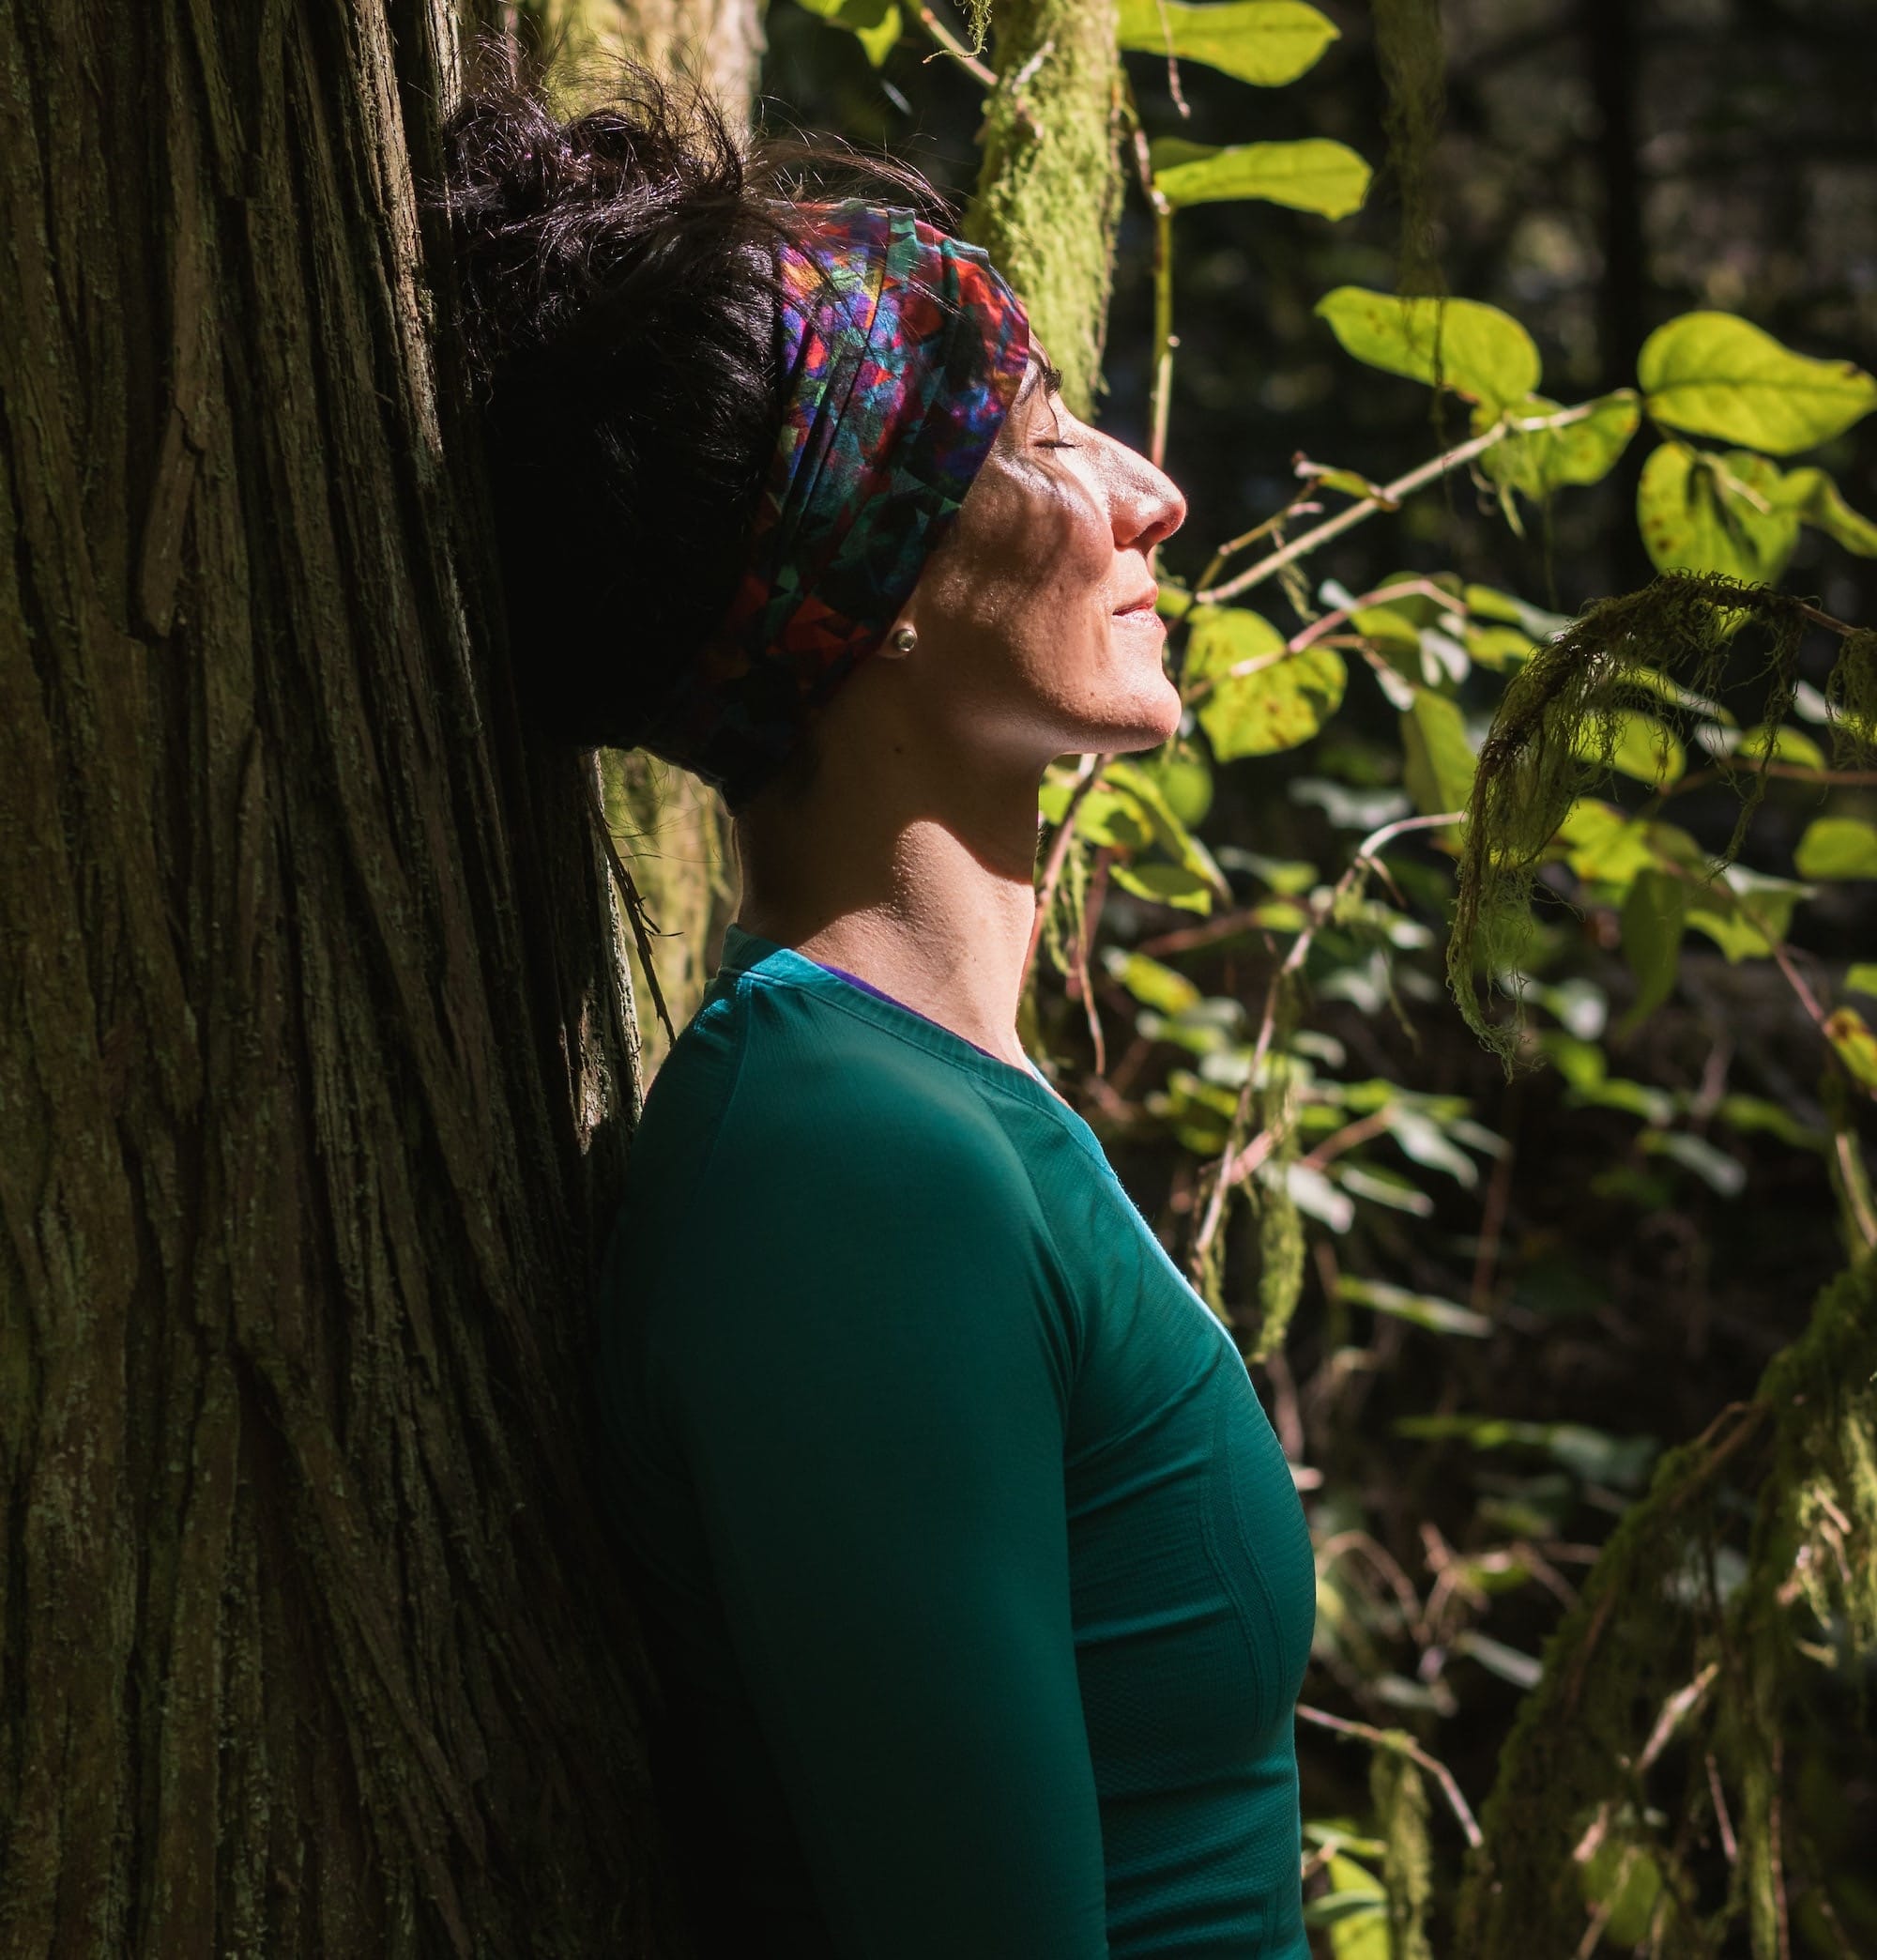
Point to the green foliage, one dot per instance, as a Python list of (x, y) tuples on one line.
[(1314, 174), (1477, 350), (1268, 42), (1650, 1622), (1713, 374), (876, 22), (1255, 697), (1550, 460)]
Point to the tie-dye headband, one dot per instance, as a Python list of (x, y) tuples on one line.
[(902, 353)]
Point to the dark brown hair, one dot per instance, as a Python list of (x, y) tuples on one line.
[(616, 304)]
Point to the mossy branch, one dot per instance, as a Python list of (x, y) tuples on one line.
[(1555, 736)]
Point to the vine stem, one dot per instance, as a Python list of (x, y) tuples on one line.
[(1398, 1744), (1389, 495), (1235, 1162), (1091, 767)]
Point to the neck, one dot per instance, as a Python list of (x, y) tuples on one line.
[(931, 897)]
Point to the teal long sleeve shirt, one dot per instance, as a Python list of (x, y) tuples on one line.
[(975, 1577)]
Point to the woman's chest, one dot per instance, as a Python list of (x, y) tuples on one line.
[(1193, 1578)]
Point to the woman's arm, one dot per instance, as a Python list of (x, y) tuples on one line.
[(872, 1396)]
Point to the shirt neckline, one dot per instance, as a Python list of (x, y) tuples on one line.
[(748, 953)]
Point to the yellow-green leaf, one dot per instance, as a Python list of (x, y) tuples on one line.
[(1787, 746), (1268, 42), (1283, 700), (1311, 174), (1703, 513), (1813, 496), (1716, 374), (1862, 979), (1439, 760), (1498, 648), (1647, 750), (1152, 984), (1854, 1045), (1838, 847), (876, 23), (1473, 348), (1165, 884), (1545, 460), (1653, 916)]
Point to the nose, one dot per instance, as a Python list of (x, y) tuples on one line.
[(1146, 507)]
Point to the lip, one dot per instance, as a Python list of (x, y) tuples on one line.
[(1144, 602)]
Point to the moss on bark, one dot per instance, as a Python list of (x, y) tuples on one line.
[(1050, 187)]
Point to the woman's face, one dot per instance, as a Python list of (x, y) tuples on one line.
[(1037, 633)]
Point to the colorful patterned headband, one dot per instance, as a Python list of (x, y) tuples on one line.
[(902, 353)]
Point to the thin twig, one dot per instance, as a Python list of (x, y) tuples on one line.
[(1237, 1161), (1091, 769), (949, 45), (1398, 1744), (1390, 495)]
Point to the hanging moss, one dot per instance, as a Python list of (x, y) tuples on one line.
[(1554, 740), (1409, 53), (1400, 1800), (1651, 1617), (1852, 692)]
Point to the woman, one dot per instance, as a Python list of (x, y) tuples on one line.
[(977, 1583)]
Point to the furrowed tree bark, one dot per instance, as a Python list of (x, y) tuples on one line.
[(317, 1059), (1050, 187), (672, 828)]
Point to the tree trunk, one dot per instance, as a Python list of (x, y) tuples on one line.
[(317, 1061), (1050, 187)]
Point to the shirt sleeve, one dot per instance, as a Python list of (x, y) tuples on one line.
[(870, 1388)]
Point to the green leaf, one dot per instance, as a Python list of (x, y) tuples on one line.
[(1150, 983), (1521, 1669), (1715, 374), (1703, 513), (1739, 910), (1714, 1167), (1311, 174), (1268, 42), (1854, 1045), (1545, 460), (1838, 847), (1594, 1455), (1183, 776), (1861, 979), (1483, 354), (1285, 699), (1111, 815), (1647, 750), (1749, 1114), (874, 22), (1815, 500), (1165, 884), (1626, 1880), (1424, 1310), (1491, 603), (1354, 1913), (1500, 648), (1654, 916), (1787, 744), (1169, 834), (1440, 760)]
